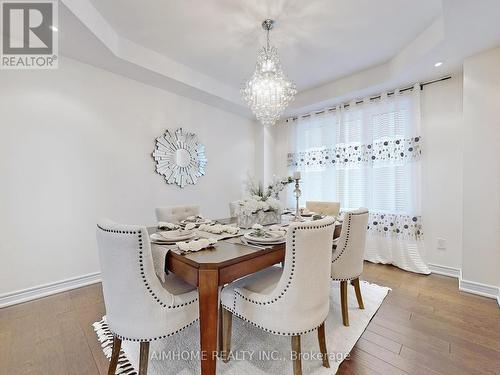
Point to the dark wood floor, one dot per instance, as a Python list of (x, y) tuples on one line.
[(425, 326)]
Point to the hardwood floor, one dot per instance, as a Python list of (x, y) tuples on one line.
[(425, 326)]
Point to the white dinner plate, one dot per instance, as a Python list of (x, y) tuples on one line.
[(197, 223), (283, 240), (275, 239)]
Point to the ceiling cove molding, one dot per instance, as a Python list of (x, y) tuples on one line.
[(193, 84), (402, 69)]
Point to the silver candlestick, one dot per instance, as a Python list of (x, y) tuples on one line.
[(297, 194)]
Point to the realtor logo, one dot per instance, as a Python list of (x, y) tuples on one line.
[(29, 34)]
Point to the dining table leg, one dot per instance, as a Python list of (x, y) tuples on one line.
[(208, 289)]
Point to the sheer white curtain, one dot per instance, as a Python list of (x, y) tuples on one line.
[(368, 155)]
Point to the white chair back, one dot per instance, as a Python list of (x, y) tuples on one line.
[(347, 261), (325, 208), (304, 287), (174, 214), (133, 294)]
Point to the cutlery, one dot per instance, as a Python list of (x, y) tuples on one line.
[(244, 242)]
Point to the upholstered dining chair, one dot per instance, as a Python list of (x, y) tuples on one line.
[(138, 307), (287, 301), (325, 208), (174, 214), (347, 259)]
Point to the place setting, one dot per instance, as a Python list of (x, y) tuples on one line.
[(171, 237), (170, 233), (192, 234), (195, 220), (264, 237), (182, 239)]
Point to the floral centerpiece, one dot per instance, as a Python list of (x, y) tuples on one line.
[(261, 206)]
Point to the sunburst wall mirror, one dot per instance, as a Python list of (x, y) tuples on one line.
[(180, 157)]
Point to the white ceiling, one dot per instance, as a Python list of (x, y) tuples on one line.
[(335, 50), (319, 40)]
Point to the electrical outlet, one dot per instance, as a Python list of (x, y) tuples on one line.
[(441, 243)]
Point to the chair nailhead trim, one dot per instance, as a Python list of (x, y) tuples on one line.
[(141, 268), (287, 286), (282, 293), (346, 279), (269, 330), (350, 215), (116, 231), (346, 239)]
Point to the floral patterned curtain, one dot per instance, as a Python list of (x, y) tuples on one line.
[(368, 154)]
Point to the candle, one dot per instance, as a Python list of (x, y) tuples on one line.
[(296, 175)]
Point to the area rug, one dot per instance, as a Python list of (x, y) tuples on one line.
[(255, 352)]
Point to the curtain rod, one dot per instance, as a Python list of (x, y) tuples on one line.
[(347, 105)]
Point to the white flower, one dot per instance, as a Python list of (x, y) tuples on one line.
[(274, 204), (257, 227)]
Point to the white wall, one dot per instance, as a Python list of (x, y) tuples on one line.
[(481, 178), (75, 145), (265, 149), (442, 198)]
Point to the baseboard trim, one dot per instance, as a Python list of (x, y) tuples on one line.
[(445, 270), (480, 289), (467, 286), (45, 290)]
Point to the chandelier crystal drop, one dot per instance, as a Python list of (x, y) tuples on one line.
[(268, 91)]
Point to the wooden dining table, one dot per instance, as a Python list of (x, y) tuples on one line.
[(212, 268)]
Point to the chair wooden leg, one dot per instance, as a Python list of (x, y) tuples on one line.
[(115, 354), (343, 302), (144, 358), (297, 364), (357, 289), (227, 323), (322, 345)]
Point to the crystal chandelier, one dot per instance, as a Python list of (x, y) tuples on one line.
[(268, 92)]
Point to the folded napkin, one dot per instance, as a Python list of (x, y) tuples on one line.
[(219, 229), (194, 218), (167, 226), (196, 245), (169, 235)]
